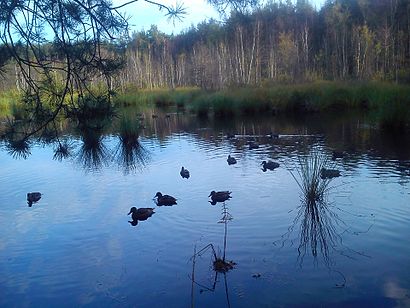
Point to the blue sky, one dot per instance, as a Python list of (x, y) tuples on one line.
[(143, 14)]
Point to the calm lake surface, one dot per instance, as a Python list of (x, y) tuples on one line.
[(75, 246)]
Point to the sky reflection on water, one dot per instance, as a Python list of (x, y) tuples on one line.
[(75, 246)]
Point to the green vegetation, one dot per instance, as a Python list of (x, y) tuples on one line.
[(159, 97), (309, 179), (10, 102), (389, 103)]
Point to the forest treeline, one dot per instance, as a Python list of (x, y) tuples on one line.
[(280, 41)]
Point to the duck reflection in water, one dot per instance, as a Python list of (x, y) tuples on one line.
[(140, 214), (329, 173)]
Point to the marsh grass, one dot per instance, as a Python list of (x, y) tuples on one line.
[(386, 100), (308, 178), (158, 97), (10, 101), (388, 103)]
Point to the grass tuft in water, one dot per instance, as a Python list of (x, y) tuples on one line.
[(308, 177)]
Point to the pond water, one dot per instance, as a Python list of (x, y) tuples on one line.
[(75, 246)]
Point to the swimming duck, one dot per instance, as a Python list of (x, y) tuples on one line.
[(271, 165), (220, 196), (337, 154), (33, 197), (329, 173), (231, 160), (184, 173), (165, 199), (143, 213)]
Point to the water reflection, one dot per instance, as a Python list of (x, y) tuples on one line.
[(220, 265), (18, 148), (345, 135), (318, 230), (15, 141), (129, 152), (93, 153), (261, 199), (63, 150)]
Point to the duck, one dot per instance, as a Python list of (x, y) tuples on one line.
[(253, 145), (337, 154), (33, 197), (220, 196), (184, 173), (142, 213), (329, 173), (273, 136), (271, 165), (231, 160), (165, 199)]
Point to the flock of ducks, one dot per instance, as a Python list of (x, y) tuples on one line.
[(141, 214)]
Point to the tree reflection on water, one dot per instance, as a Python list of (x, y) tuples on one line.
[(129, 152), (91, 150), (93, 153)]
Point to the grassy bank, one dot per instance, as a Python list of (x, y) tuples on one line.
[(390, 103), (10, 103)]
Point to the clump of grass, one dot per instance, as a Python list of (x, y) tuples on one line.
[(308, 177)]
